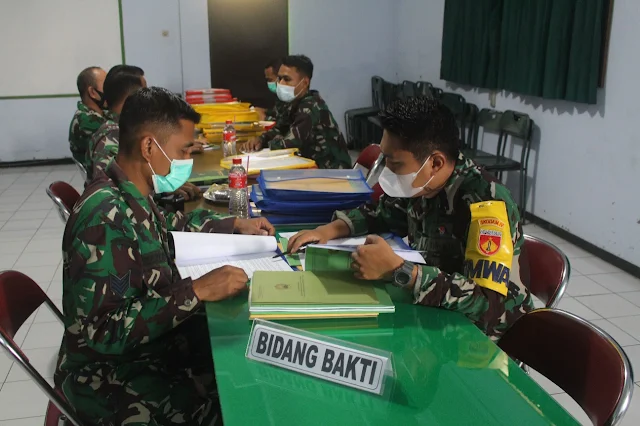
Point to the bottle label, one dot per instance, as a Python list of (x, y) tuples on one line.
[(229, 136), (237, 180)]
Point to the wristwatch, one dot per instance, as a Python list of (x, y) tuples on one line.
[(402, 276)]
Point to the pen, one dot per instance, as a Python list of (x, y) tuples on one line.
[(302, 247)]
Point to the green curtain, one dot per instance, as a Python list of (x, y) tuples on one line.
[(546, 48), (470, 42)]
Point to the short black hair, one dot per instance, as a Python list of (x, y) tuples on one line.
[(119, 85), (154, 109), (274, 63), (423, 125), (301, 63), (86, 79), (129, 69)]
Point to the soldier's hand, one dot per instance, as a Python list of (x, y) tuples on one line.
[(257, 226), (306, 237), (220, 284), (375, 259), (252, 145), (189, 192), (196, 148)]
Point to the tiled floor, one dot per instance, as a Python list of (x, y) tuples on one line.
[(30, 239)]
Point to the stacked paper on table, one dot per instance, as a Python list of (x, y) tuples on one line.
[(307, 196), (310, 295), (199, 253)]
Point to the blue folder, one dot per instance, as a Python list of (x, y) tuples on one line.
[(281, 219), (359, 190), (301, 207)]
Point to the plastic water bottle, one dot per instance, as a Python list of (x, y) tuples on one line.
[(229, 139), (238, 199)]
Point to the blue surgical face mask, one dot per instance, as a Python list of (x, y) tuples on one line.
[(273, 86), (179, 173), (287, 93)]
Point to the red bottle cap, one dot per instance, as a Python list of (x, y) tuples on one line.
[(229, 121), (237, 161)]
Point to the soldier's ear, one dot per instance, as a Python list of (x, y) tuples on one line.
[(146, 148)]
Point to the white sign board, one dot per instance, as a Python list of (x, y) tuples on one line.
[(284, 347)]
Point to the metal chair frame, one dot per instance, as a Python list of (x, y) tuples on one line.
[(63, 211), (566, 271)]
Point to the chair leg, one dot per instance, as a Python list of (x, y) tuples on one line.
[(523, 194)]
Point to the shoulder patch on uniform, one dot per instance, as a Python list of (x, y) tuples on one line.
[(120, 285), (490, 234)]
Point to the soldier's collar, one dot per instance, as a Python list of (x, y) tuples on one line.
[(140, 205), (460, 171)]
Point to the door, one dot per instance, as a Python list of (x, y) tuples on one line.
[(244, 35)]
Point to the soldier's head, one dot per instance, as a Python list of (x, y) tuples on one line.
[(118, 85), (420, 145), (130, 69), (271, 70), (156, 128), (90, 83), (294, 77)]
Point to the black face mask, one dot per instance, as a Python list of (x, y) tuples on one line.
[(100, 102)]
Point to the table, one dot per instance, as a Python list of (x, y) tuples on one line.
[(447, 373)]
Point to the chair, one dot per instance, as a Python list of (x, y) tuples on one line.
[(545, 269), (64, 196), (377, 193), (408, 89), (20, 296), (423, 89), (458, 107), (507, 124), (83, 171), (352, 118), (577, 356), (371, 158)]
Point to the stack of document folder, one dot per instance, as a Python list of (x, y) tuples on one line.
[(307, 196), (314, 295)]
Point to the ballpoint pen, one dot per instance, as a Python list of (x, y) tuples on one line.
[(302, 247)]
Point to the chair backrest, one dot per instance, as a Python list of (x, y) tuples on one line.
[(577, 356), (377, 193), (423, 89), (455, 103), (64, 196), (519, 125), (489, 121), (545, 269), (408, 89), (377, 85), (368, 156), (20, 297), (389, 94), (469, 125), (436, 93), (83, 171)]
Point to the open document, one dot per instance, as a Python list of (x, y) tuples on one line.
[(198, 253)]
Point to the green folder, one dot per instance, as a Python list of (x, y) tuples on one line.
[(321, 259)]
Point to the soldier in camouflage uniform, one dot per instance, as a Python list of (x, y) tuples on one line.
[(89, 115), (136, 346), (103, 146), (271, 76), (434, 187), (308, 124)]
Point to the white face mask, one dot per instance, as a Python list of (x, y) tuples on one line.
[(286, 93), (401, 186)]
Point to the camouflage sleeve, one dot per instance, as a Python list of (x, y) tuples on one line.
[(299, 132), (120, 311), (200, 220), (88, 124), (489, 309), (270, 134), (270, 114), (102, 149), (389, 216)]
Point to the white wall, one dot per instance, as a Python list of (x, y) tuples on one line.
[(348, 42), (39, 128), (586, 165)]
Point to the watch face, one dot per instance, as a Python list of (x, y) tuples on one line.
[(402, 278)]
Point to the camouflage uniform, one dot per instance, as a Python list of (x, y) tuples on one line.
[(279, 109), (440, 227), (134, 351), (103, 146), (84, 124), (310, 127)]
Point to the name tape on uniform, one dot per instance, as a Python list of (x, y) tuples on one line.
[(317, 358)]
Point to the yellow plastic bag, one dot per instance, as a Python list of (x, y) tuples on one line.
[(489, 250)]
